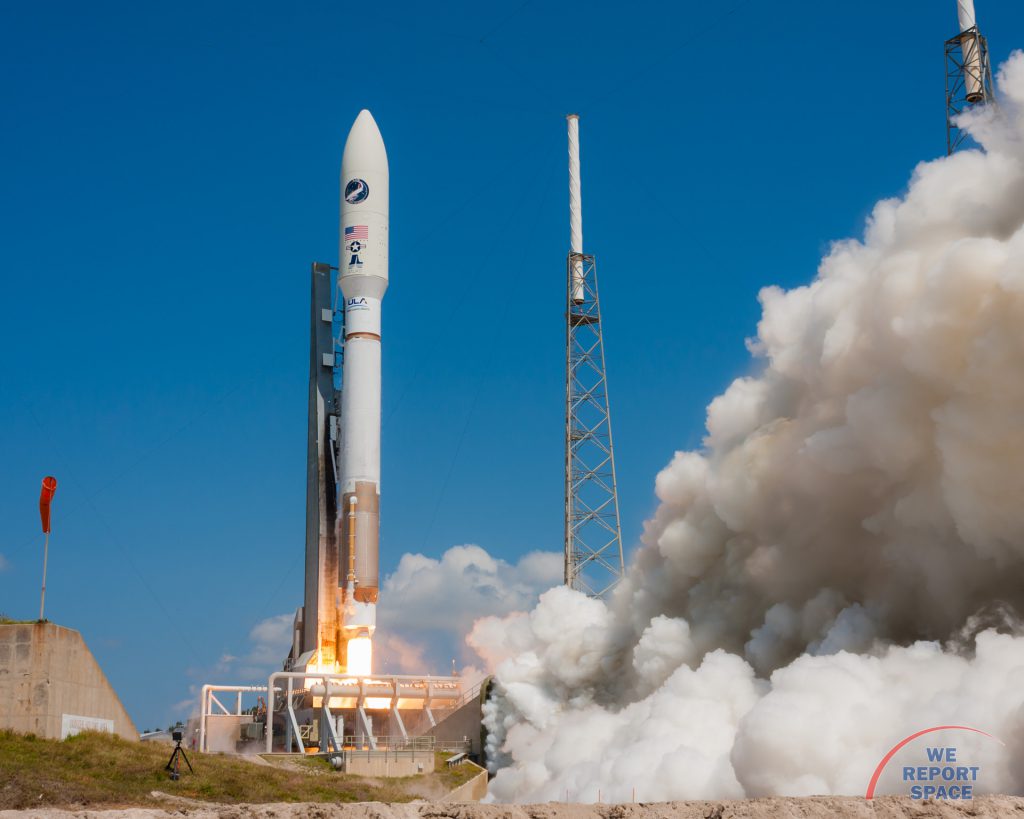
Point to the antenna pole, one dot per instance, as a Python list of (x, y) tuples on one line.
[(42, 596)]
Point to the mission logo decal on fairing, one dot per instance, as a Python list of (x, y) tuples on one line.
[(355, 240), (356, 191)]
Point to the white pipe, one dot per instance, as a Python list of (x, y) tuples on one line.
[(270, 717), (42, 596), (202, 718), (965, 14), (575, 206), (205, 696), (970, 51), (391, 680)]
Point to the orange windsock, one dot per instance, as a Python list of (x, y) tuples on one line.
[(45, 497)]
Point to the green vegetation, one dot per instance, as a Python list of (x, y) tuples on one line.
[(457, 775), (7, 621), (94, 769)]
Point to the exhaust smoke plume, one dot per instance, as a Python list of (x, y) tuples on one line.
[(843, 564)]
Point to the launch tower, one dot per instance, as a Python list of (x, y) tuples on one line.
[(593, 534)]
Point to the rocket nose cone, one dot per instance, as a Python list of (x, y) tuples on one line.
[(364, 148)]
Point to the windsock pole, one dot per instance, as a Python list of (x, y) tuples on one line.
[(42, 596), (45, 499)]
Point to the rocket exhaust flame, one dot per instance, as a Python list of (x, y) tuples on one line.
[(360, 656), (858, 496)]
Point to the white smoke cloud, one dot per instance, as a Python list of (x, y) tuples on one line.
[(428, 605), (820, 580)]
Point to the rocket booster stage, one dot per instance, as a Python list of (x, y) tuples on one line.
[(363, 277)]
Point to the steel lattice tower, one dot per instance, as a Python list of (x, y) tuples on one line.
[(968, 78), (593, 534)]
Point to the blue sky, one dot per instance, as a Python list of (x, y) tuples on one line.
[(172, 170)]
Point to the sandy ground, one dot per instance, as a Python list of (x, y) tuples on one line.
[(1001, 807)]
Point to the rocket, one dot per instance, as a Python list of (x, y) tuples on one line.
[(363, 279)]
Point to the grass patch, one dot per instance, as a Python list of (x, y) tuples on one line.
[(101, 769), (456, 775)]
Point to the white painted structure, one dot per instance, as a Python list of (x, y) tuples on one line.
[(965, 14), (72, 724), (335, 693), (575, 207), (974, 72), (208, 699)]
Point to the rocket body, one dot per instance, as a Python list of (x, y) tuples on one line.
[(363, 278)]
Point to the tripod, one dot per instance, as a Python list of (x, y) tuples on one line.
[(175, 761)]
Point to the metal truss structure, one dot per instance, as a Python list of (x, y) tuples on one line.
[(968, 81), (332, 695), (593, 534)]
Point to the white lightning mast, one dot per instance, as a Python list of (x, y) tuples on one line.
[(968, 73), (593, 535)]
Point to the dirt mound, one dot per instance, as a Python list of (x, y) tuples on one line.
[(826, 807)]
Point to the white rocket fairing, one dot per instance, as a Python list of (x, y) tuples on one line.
[(363, 277)]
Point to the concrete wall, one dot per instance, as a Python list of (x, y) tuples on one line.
[(52, 686), (472, 791), (223, 732), (463, 723), (388, 763)]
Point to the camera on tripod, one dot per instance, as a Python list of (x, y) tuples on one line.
[(174, 763)]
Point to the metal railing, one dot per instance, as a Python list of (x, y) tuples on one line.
[(396, 743), (473, 693), (459, 746)]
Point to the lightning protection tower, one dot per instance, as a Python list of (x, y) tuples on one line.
[(593, 534), (968, 73)]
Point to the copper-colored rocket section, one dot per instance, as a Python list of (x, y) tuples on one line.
[(361, 541)]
